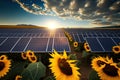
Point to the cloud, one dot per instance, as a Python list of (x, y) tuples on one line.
[(97, 11)]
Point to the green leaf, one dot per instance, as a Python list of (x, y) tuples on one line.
[(93, 75), (84, 54), (78, 63), (34, 71), (16, 69), (73, 57)]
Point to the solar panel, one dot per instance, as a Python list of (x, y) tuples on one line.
[(19, 47), (1, 40), (8, 44), (76, 38), (117, 40), (81, 38), (94, 45), (107, 44), (50, 45), (61, 44), (37, 44)]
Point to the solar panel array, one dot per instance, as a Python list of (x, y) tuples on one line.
[(99, 40), (38, 40)]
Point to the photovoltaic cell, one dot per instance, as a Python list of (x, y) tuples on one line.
[(19, 47), (37, 44), (1, 40), (50, 45), (8, 44), (117, 40), (107, 44), (94, 45), (56, 35), (62, 35), (61, 44), (76, 38), (81, 38)]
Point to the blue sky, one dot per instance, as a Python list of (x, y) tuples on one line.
[(63, 13)]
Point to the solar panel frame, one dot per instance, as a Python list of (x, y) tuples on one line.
[(116, 40), (1, 40)]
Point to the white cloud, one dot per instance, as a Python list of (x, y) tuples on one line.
[(78, 9)]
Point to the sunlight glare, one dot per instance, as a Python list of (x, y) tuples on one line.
[(52, 25)]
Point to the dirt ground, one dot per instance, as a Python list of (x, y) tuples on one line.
[(85, 67)]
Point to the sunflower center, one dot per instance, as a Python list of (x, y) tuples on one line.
[(87, 47), (30, 53), (19, 78), (33, 58), (2, 58), (110, 70), (24, 54), (64, 67), (99, 62), (116, 49), (2, 65)]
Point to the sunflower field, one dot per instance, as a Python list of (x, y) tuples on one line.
[(79, 64)]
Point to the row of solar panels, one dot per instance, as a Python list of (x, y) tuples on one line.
[(82, 38), (35, 44), (99, 40), (28, 31), (102, 44), (44, 35), (81, 35), (92, 31)]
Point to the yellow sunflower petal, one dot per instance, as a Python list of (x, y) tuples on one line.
[(4, 67), (97, 63), (18, 77), (24, 55), (109, 72), (109, 60), (3, 57), (65, 54), (116, 49), (62, 68)]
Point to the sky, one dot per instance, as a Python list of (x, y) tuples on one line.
[(61, 13)]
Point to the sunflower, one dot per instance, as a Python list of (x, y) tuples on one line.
[(3, 57), (109, 60), (23, 55), (4, 67), (85, 44), (109, 72), (97, 63), (18, 77), (116, 49), (75, 44), (32, 59), (86, 47), (29, 53), (62, 67)]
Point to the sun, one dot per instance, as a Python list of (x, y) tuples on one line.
[(52, 25)]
